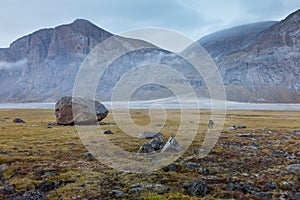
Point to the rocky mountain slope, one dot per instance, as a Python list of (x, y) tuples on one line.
[(259, 62), (42, 66)]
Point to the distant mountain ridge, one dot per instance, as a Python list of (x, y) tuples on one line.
[(259, 62), (260, 65)]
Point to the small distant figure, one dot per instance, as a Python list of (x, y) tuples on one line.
[(211, 123)]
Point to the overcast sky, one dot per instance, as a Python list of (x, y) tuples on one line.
[(194, 18)]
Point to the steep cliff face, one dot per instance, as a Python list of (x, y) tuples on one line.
[(42, 65), (264, 66)]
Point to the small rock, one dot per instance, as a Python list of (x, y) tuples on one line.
[(118, 193), (293, 168), (244, 135), (172, 167), (157, 143), (4, 167), (3, 152), (46, 186), (196, 188), (296, 132), (204, 171), (192, 166), (107, 132), (33, 195), (149, 135), (232, 187), (241, 127), (271, 185), (137, 189), (232, 128), (8, 189), (146, 148), (49, 126), (171, 146), (18, 120)]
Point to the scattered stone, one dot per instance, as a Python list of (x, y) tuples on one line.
[(3, 152), (3, 167), (39, 173), (172, 167), (232, 128), (196, 188), (293, 168), (33, 195), (149, 135), (158, 188), (171, 146), (137, 189), (296, 132), (241, 127), (107, 132), (191, 166), (18, 120), (46, 186), (118, 193), (8, 190), (271, 185), (146, 148), (157, 143), (49, 126), (86, 111), (232, 187), (206, 171), (244, 135)]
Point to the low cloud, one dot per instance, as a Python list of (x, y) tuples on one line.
[(12, 65)]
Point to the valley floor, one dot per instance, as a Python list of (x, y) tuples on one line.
[(38, 160)]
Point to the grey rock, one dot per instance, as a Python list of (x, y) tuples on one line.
[(46, 186), (18, 120), (293, 168), (191, 165), (118, 193), (297, 195), (3, 152), (271, 185), (33, 195), (8, 190), (171, 146), (232, 128), (3, 167), (196, 188), (157, 143), (86, 111), (244, 135), (146, 148), (136, 190), (241, 126), (296, 132), (172, 167), (149, 135), (107, 132)]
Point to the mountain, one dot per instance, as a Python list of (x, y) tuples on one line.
[(259, 62), (42, 66)]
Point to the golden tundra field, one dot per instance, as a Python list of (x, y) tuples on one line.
[(40, 162)]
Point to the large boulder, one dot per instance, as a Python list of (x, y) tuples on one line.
[(76, 110)]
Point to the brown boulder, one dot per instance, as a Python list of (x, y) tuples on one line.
[(77, 110)]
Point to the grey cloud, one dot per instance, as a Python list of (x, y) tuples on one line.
[(14, 65)]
